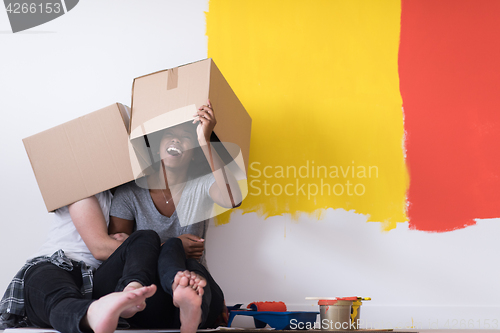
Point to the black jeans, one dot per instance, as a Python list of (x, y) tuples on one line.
[(53, 297), (134, 260), (160, 311)]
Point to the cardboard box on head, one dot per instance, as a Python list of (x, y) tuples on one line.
[(171, 97), (82, 157), (165, 99)]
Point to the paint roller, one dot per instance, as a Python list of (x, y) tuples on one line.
[(267, 306)]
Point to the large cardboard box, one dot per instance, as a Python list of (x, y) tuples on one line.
[(170, 97), (82, 157)]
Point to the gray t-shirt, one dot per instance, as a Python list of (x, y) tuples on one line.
[(131, 202)]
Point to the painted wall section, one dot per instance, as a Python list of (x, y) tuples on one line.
[(449, 69), (320, 80)]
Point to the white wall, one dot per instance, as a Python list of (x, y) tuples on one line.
[(87, 59), (410, 275)]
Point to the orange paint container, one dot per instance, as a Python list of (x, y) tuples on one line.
[(335, 314)]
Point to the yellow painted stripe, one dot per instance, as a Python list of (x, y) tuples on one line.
[(320, 81)]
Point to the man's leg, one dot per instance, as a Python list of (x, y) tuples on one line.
[(53, 297), (134, 261)]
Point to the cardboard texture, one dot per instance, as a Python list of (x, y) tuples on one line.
[(170, 97), (82, 157)]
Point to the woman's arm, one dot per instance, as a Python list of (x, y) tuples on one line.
[(225, 191), (119, 225), (89, 221)]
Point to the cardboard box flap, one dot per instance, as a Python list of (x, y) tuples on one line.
[(233, 121), (125, 112), (157, 96)]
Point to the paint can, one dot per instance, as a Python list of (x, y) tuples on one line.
[(335, 314)]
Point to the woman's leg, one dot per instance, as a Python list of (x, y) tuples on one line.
[(216, 305), (160, 312), (135, 260), (173, 260), (53, 297)]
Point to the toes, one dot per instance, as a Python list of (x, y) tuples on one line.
[(141, 306), (135, 293), (184, 282), (150, 291), (190, 279), (202, 282), (144, 291), (177, 278), (200, 291)]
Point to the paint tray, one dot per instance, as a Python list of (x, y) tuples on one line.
[(277, 320)]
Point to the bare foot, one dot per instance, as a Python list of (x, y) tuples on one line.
[(195, 281), (188, 301), (102, 315), (131, 311)]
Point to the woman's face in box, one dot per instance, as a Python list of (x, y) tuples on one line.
[(176, 146)]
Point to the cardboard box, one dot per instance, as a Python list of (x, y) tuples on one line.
[(170, 97), (82, 157)]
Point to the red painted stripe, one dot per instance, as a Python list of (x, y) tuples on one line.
[(449, 67)]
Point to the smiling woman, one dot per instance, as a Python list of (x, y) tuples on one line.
[(176, 201), (181, 164), (176, 146)]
